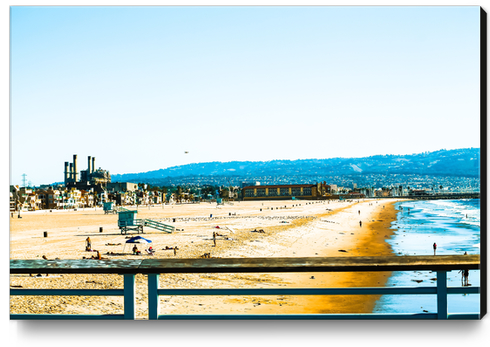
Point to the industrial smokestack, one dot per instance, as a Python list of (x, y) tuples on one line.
[(71, 172), (93, 164), (67, 173), (75, 176), (89, 170)]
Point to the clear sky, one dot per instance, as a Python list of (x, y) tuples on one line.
[(136, 87)]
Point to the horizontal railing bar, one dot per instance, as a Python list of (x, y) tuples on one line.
[(66, 317), (395, 316), (315, 291), (69, 292), (313, 316), (456, 316), (463, 290), (253, 291), (248, 265), (300, 291), (347, 316)]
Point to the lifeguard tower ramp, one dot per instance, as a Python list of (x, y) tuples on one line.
[(159, 226), (128, 222)]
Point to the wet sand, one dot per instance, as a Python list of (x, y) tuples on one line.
[(291, 229)]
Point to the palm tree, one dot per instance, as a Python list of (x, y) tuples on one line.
[(179, 194)]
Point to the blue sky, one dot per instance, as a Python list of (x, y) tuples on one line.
[(136, 87)]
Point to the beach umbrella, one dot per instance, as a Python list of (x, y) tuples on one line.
[(136, 239)]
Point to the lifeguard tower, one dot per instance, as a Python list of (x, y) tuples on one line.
[(109, 207), (127, 221)]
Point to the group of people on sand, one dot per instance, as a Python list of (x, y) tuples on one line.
[(88, 248), (148, 250), (135, 250), (98, 256), (175, 248)]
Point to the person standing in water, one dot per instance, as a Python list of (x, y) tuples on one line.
[(435, 247)]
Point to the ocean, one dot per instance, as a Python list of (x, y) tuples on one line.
[(454, 225)]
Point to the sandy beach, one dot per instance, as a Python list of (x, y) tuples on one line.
[(290, 229)]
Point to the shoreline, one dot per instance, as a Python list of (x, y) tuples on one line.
[(335, 226), (372, 242)]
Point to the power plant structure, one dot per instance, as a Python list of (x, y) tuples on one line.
[(87, 179)]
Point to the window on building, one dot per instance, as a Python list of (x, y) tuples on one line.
[(284, 192), (261, 192), (295, 191), (272, 191), (249, 193), (306, 191)]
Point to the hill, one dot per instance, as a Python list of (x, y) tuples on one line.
[(458, 163)]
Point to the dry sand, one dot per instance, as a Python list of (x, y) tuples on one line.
[(313, 228)]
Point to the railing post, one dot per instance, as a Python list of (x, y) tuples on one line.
[(153, 301), (129, 296), (441, 294)]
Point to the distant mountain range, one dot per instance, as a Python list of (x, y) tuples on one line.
[(463, 162)]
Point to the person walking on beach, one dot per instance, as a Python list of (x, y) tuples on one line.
[(465, 274), (214, 238), (435, 247), (88, 246), (360, 223)]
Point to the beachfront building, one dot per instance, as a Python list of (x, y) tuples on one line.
[(382, 193), (87, 199), (125, 198), (142, 197), (418, 192), (355, 195), (280, 192), (14, 198), (50, 198), (155, 197), (24, 199), (120, 187), (12, 202), (102, 197)]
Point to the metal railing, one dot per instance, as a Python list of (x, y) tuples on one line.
[(154, 267)]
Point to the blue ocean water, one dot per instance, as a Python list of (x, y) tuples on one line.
[(454, 225)]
